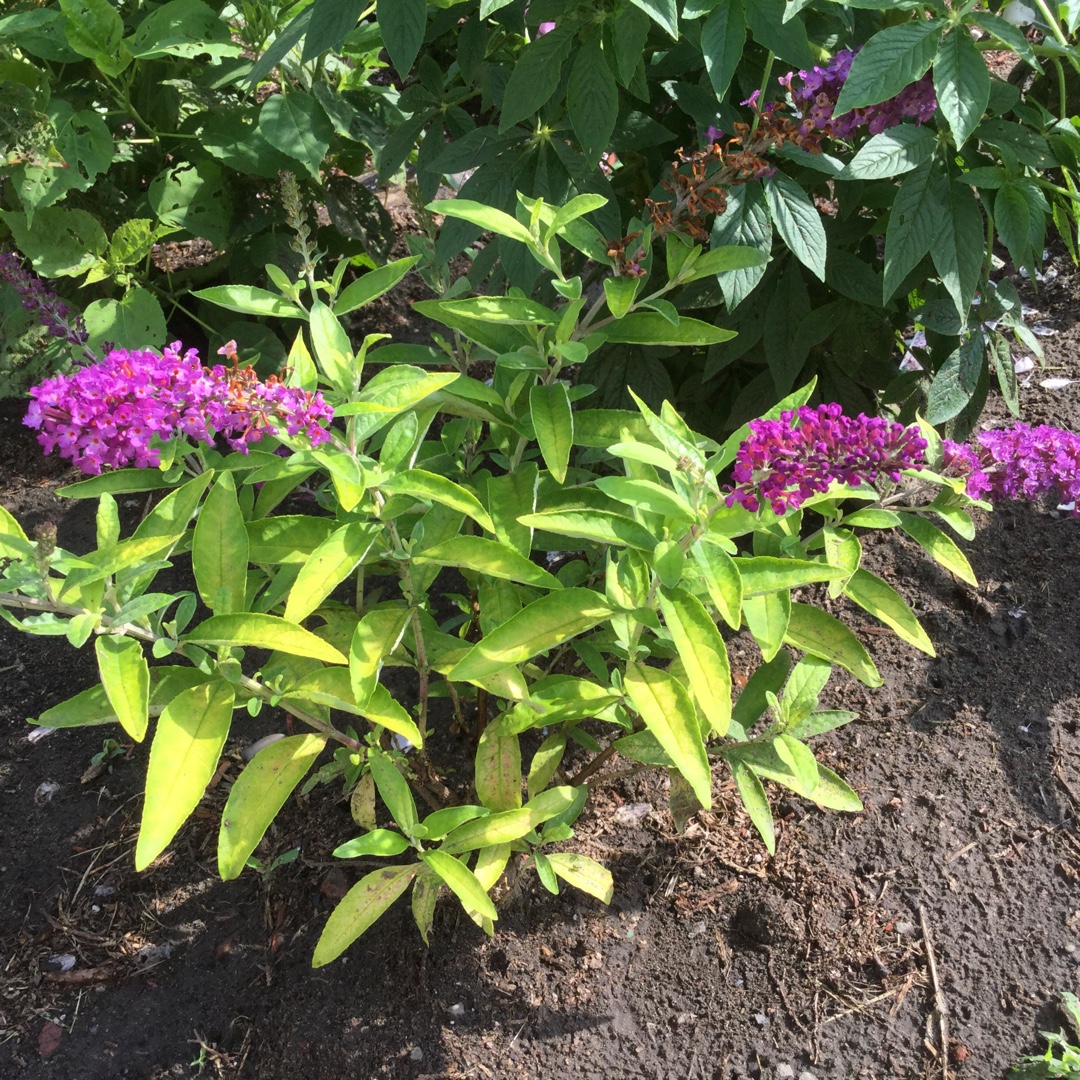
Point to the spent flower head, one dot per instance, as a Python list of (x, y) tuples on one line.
[(41, 302), (107, 414), (784, 462)]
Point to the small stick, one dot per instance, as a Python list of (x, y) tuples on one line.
[(940, 1005)]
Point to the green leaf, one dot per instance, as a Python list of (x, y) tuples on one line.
[(663, 12), (249, 300), (957, 380), (290, 538), (939, 546), (402, 24), (669, 714), (583, 873), (193, 196), (462, 882), (331, 22), (961, 82), (332, 348), (498, 828), (755, 800), (394, 791), (651, 328), (94, 29), (487, 217), (60, 243), (488, 557), (958, 249), (360, 907), (376, 636), (599, 526), (372, 285), (553, 420), (817, 632), (915, 222), (545, 762), (257, 795), (125, 676), (296, 125), (782, 36), (703, 654), (724, 259), (431, 486), (424, 896), (592, 97), (648, 496), (382, 842), (187, 28), (766, 574), (891, 153), (767, 618), (219, 549), (497, 774), (833, 793), (1012, 219), (620, 293), (263, 632), (184, 755), (1005, 32), (720, 573), (753, 700), (541, 625), (536, 76), (135, 321), (746, 221), (885, 603), (723, 36), (330, 564), (891, 60), (797, 221)]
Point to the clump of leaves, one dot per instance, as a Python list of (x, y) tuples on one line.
[(1062, 1058)]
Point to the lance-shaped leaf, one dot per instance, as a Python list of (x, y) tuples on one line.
[(767, 619), (426, 485), (462, 882), (259, 793), (424, 895), (489, 557), (755, 800), (647, 495), (360, 907), (125, 676), (816, 631), (703, 653), (500, 828), (333, 351), (583, 873), (382, 842), (219, 549), (553, 421), (939, 546), (765, 574), (540, 626), (111, 560), (394, 791), (720, 573), (373, 284), (497, 773), (183, 757), (599, 526), (290, 538), (669, 714), (376, 636), (885, 603), (330, 564), (264, 632)]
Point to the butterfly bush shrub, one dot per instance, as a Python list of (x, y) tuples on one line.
[(329, 517)]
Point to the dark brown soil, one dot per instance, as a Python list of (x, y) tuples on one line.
[(713, 961)]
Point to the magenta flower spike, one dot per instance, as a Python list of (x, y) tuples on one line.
[(784, 462), (104, 415)]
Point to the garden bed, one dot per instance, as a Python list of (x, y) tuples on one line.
[(714, 960)]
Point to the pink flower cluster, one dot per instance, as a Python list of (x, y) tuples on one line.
[(784, 462), (820, 88), (1020, 462), (107, 414)]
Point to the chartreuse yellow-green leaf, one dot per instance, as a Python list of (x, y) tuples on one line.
[(259, 793), (498, 770), (219, 549), (553, 421), (766, 574), (767, 618), (488, 557), (462, 882), (885, 603), (939, 546), (183, 756), (427, 485), (360, 907), (703, 653), (539, 626), (125, 676), (816, 631), (264, 632), (584, 873), (720, 575), (376, 636), (329, 564), (669, 714)]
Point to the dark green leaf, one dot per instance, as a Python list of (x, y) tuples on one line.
[(962, 83), (891, 60), (915, 222), (722, 38), (797, 221), (402, 23), (592, 97), (958, 250)]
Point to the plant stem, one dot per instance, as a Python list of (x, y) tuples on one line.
[(764, 86), (1052, 22)]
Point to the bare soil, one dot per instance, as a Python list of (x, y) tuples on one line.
[(714, 960)]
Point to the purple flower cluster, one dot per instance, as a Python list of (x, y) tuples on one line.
[(1020, 462), (41, 302), (820, 88), (784, 462), (107, 414)]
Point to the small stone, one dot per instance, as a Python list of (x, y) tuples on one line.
[(806, 1074), (761, 1019), (905, 928), (416, 1054), (784, 1072), (457, 1010)]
